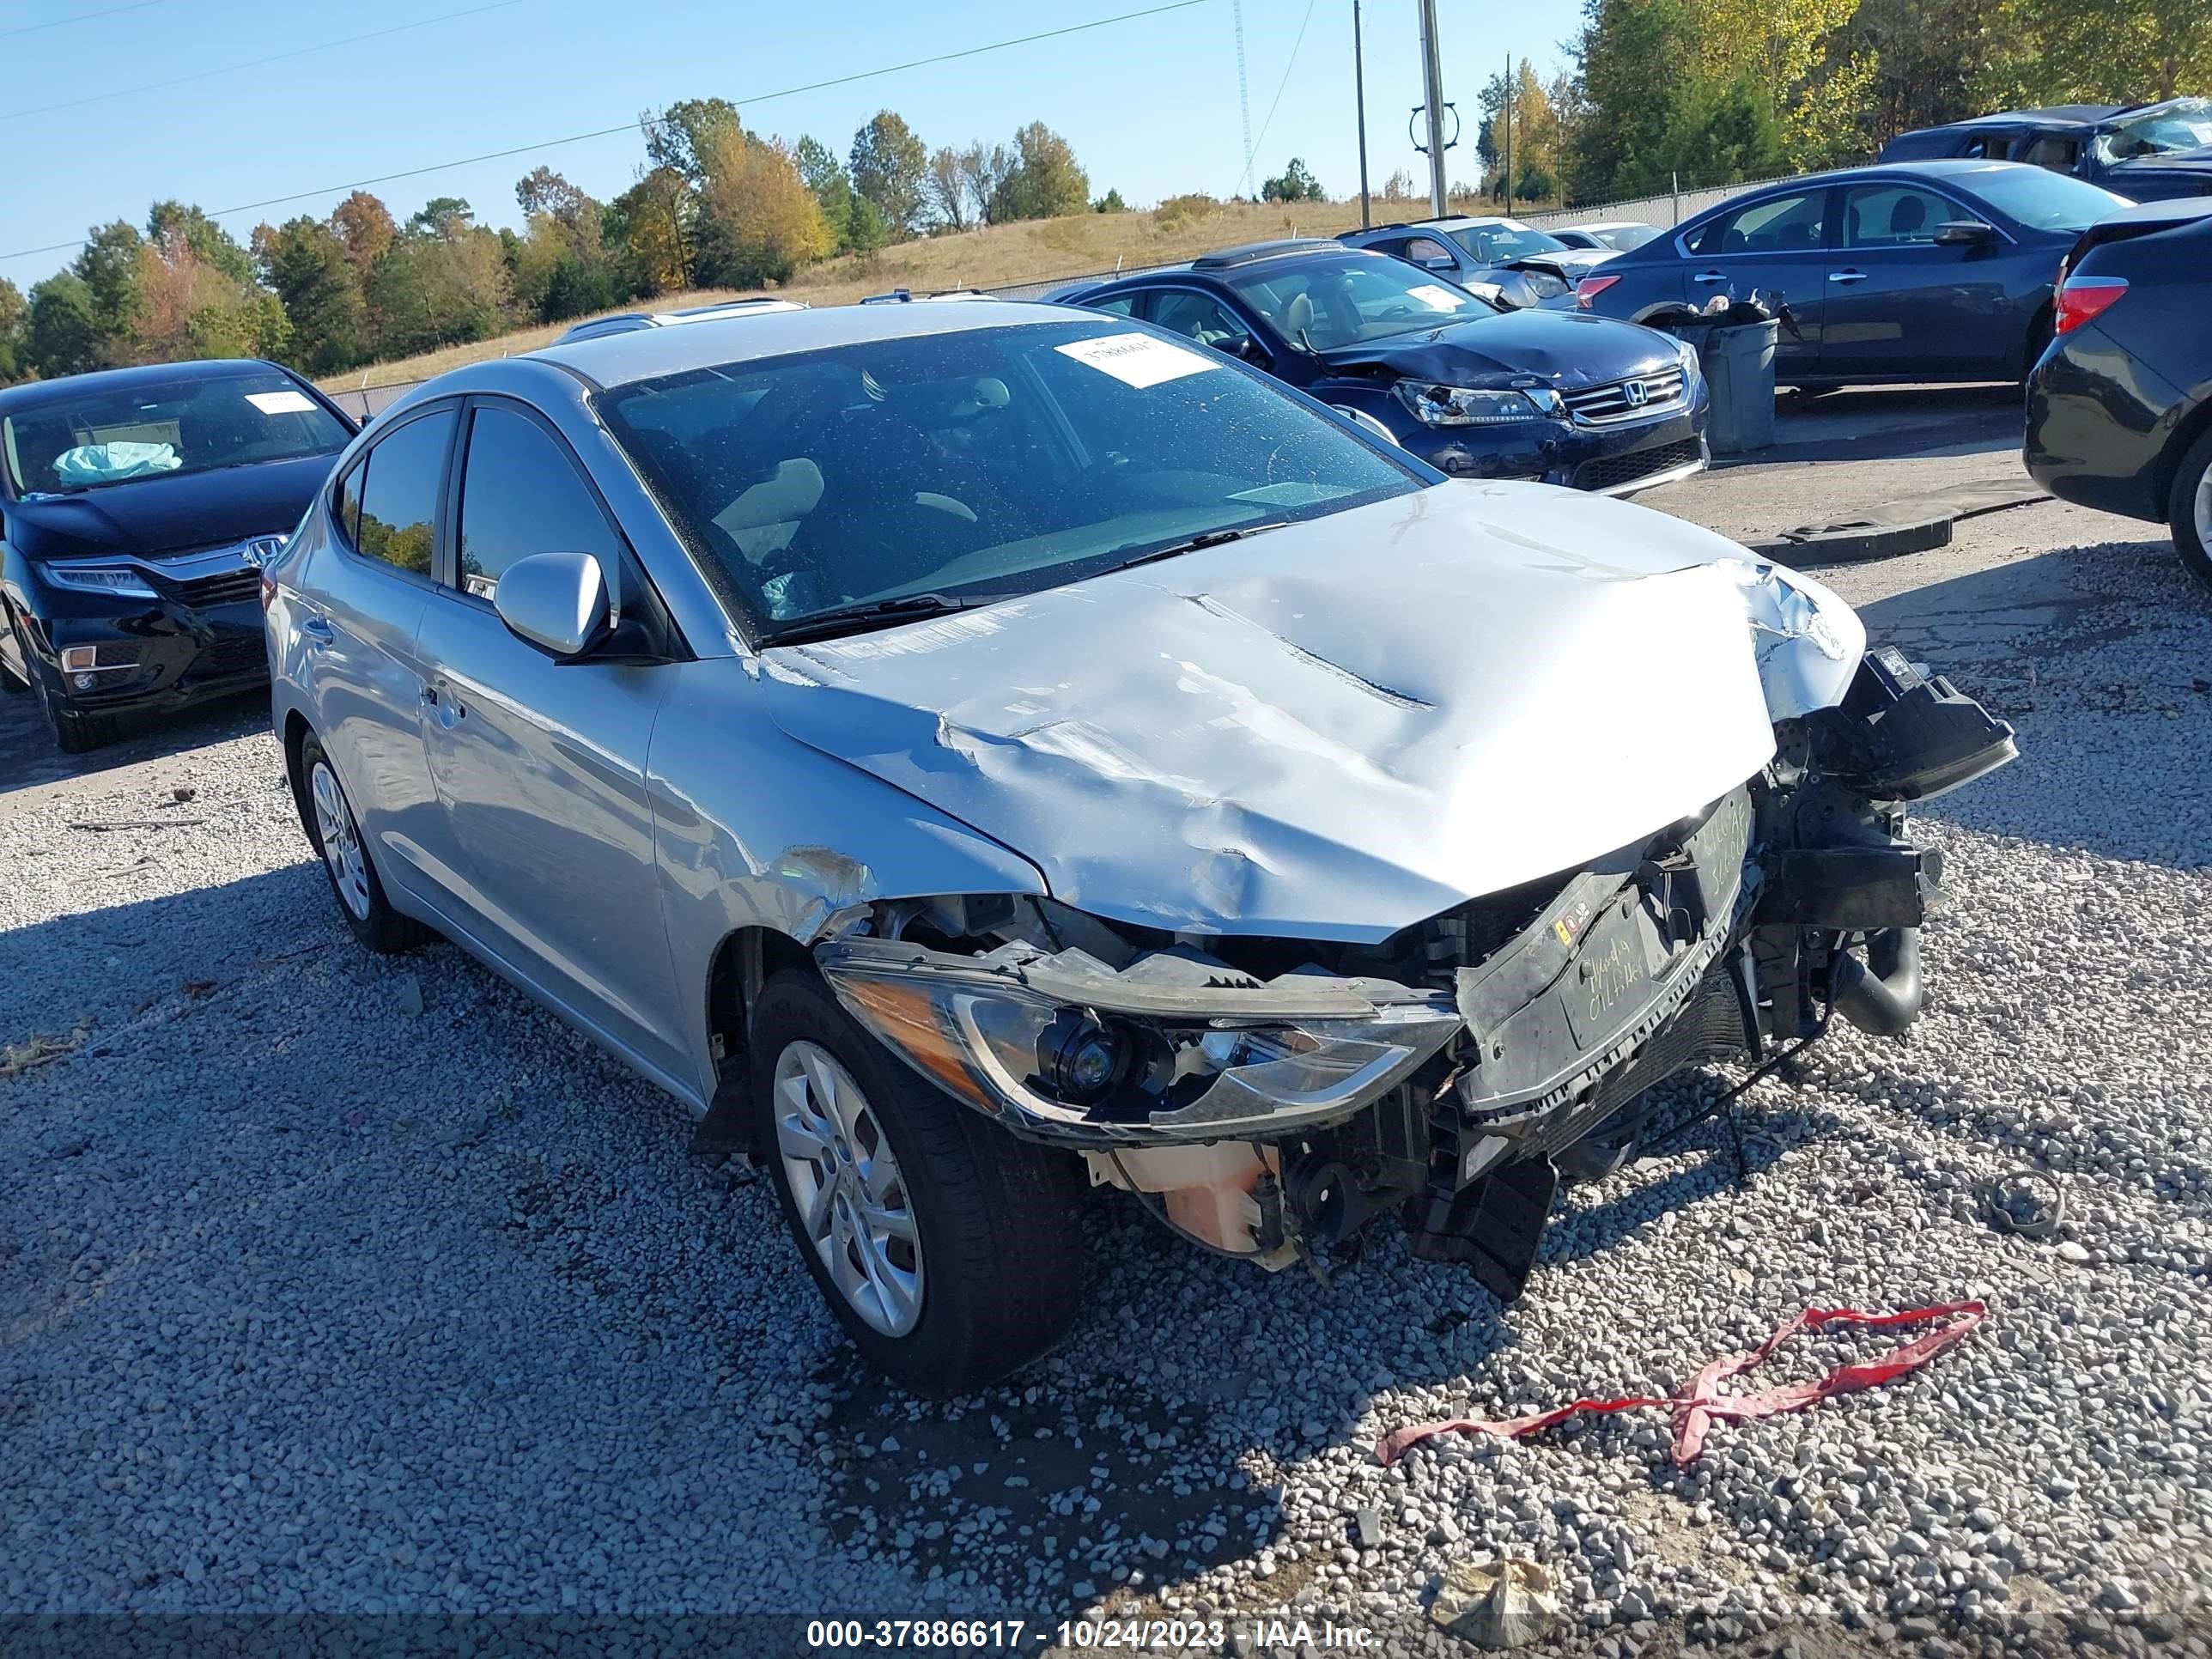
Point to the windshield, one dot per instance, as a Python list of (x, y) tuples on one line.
[(96, 437), (1497, 241), (2179, 123), (1322, 302), (2042, 199), (977, 464)]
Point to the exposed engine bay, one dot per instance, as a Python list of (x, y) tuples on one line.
[(1269, 1097)]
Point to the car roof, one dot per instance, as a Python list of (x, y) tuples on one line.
[(1606, 224), (1222, 259), (2054, 115), (646, 354), (33, 393)]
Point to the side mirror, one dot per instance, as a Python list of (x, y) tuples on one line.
[(1965, 233), (1247, 350), (556, 601)]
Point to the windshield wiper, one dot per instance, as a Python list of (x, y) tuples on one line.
[(1204, 539), (859, 618)]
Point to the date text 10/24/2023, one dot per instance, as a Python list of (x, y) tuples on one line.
[(1083, 1635)]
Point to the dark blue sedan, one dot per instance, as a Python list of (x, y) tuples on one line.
[(1916, 272), (1408, 355)]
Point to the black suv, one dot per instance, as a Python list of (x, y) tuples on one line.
[(136, 508), (2145, 152)]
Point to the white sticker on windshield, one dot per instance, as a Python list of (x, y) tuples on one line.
[(281, 402), (1435, 298), (1137, 360)]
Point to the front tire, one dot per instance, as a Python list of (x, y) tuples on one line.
[(951, 1252), (74, 733), (336, 835), (2188, 510)]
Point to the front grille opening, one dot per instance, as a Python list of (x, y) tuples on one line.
[(1611, 471)]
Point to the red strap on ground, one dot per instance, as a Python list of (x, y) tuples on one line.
[(1695, 1411)]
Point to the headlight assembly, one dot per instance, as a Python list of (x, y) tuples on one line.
[(1088, 1071), (1686, 354), (120, 580), (1456, 405)]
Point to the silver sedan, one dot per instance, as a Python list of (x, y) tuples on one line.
[(967, 751)]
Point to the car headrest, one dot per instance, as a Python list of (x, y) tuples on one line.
[(791, 493)]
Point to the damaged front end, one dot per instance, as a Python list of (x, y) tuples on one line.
[(1269, 1096)]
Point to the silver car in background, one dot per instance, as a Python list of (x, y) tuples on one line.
[(964, 752)]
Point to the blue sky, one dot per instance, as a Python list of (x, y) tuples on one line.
[(1150, 104)]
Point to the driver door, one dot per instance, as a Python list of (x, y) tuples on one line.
[(540, 765)]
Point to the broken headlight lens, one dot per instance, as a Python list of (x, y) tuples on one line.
[(1102, 1074), (1458, 405)]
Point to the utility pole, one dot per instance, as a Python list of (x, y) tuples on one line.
[(1359, 103), (1432, 80), (1509, 135)]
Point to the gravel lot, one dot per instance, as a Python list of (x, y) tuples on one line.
[(310, 1302)]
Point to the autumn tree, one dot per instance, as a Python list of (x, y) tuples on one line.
[(652, 221), (2122, 51), (984, 169), (758, 222), (14, 316), (1045, 181), (1535, 137), (365, 228)]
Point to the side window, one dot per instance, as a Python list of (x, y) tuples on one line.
[(1200, 316), (1121, 305), (347, 505), (406, 472), (2049, 150), (1894, 215), (1777, 224), (1423, 248), (521, 495)]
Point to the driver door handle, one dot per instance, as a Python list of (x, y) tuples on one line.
[(1847, 276), (1710, 277)]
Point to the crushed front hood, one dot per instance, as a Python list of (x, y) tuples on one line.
[(1330, 731), (1563, 349)]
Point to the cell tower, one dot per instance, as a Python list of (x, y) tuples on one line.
[(1243, 92)]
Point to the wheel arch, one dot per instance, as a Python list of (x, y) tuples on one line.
[(2186, 431)]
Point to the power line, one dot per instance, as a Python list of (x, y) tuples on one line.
[(1245, 177), (631, 125), (256, 63), (81, 17)]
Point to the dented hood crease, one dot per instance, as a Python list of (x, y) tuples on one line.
[(1329, 732)]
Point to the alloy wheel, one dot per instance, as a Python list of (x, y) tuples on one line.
[(2204, 509), (851, 1198), (341, 839)]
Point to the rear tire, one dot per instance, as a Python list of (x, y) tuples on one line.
[(337, 840), (2190, 509), (959, 1262)]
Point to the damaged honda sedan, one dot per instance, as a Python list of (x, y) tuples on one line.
[(968, 751)]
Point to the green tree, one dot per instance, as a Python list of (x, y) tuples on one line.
[(60, 335), (110, 268), (15, 317), (307, 264), (824, 176), (682, 137), (890, 166), (173, 224), (1294, 184), (653, 222), (2121, 51), (1111, 202), (864, 231), (1045, 181)]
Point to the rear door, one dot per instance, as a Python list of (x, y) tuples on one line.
[(1775, 245), (361, 612), (1900, 304), (540, 764)]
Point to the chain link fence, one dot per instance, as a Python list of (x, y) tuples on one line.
[(365, 403)]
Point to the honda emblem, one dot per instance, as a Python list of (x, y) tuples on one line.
[(1635, 392)]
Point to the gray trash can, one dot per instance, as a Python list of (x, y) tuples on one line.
[(1739, 363)]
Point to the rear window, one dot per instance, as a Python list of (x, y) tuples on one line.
[(2041, 199), (92, 437)]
